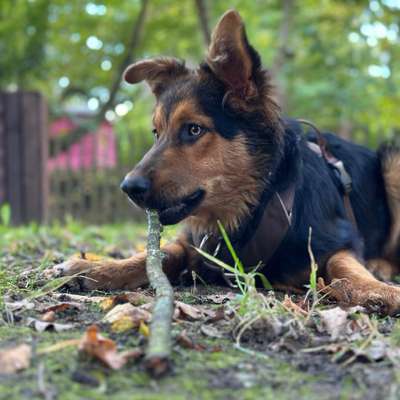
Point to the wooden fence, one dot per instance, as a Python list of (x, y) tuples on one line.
[(45, 177), (23, 156)]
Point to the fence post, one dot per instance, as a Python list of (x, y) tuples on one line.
[(23, 155)]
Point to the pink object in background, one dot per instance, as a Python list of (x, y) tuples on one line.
[(94, 149)]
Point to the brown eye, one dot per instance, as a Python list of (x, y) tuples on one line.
[(195, 130), (155, 133)]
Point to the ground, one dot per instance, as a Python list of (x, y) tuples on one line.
[(291, 349)]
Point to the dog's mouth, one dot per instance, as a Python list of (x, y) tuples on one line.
[(177, 211)]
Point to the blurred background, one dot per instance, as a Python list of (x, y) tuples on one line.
[(70, 129)]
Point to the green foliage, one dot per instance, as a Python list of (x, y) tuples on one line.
[(5, 214), (245, 281), (336, 66)]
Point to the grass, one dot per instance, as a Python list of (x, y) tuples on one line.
[(267, 361)]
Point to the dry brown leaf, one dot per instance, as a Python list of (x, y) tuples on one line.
[(105, 350), (42, 326), (15, 359), (216, 315), (334, 321), (60, 307), (211, 331), (187, 311), (49, 316), (290, 305), (221, 298), (24, 304), (127, 310), (187, 343)]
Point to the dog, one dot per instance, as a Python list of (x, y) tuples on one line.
[(224, 152)]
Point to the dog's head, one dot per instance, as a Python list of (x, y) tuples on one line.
[(217, 132)]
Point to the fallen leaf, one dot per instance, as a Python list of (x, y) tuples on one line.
[(136, 314), (211, 331), (221, 298), (78, 297), (42, 326), (377, 350), (334, 321), (135, 298), (105, 350), (216, 315), (15, 359), (24, 304), (187, 343), (107, 303), (59, 346), (123, 324), (144, 329), (290, 305), (49, 316), (188, 311), (60, 307)]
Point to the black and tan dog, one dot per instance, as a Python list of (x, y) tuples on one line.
[(223, 151)]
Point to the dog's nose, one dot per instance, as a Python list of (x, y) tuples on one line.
[(136, 188)]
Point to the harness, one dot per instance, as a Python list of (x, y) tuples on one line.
[(272, 222)]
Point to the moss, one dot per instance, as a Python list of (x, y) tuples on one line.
[(225, 374)]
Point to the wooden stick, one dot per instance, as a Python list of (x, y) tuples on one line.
[(158, 353)]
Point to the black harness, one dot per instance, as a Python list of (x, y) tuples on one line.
[(258, 240)]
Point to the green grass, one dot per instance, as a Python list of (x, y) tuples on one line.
[(225, 374)]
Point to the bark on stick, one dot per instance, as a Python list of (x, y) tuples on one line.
[(159, 346)]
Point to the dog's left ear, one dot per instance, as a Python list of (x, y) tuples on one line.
[(231, 58), (157, 72)]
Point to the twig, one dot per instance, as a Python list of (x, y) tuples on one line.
[(202, 12), (159, 347)]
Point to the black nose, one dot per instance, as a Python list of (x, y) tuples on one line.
[(136, 188)]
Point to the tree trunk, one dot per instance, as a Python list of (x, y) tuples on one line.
[(203, 20)]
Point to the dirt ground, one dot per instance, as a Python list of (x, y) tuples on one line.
[(226, 346)]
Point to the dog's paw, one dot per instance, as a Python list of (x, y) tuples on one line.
[(77, 269), (376, 296)]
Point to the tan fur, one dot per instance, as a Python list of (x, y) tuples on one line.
[(157, 72), (126, 274), (187, 111), (391, 175), (351, 284), (228, 56), (382, 269)]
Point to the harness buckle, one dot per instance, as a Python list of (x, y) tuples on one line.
[(344, 176), (227, 277)]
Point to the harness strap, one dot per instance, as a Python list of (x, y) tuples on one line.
[(345, 178), (269, 234)]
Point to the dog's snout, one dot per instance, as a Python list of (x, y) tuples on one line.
[(136, 187)]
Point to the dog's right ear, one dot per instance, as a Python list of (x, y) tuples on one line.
[(157, 72)]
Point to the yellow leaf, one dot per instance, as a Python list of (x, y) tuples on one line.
[(89, 256), (144, 329), (122, 324), (107, 303), (140, 247)]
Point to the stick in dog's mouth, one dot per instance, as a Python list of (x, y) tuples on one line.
[(172, 214)]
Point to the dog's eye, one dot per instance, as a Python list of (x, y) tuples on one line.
[(195, 130), (155, 133)]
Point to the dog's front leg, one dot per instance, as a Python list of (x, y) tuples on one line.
[(128, 274), (352, 284)]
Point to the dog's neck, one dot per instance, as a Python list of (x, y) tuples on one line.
[(242, 212)]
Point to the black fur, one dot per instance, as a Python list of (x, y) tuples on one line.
[(319, 204)]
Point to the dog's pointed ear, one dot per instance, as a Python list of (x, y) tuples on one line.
[(157, 72), (230, 56)]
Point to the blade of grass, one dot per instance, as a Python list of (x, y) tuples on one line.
[(230, 248)]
